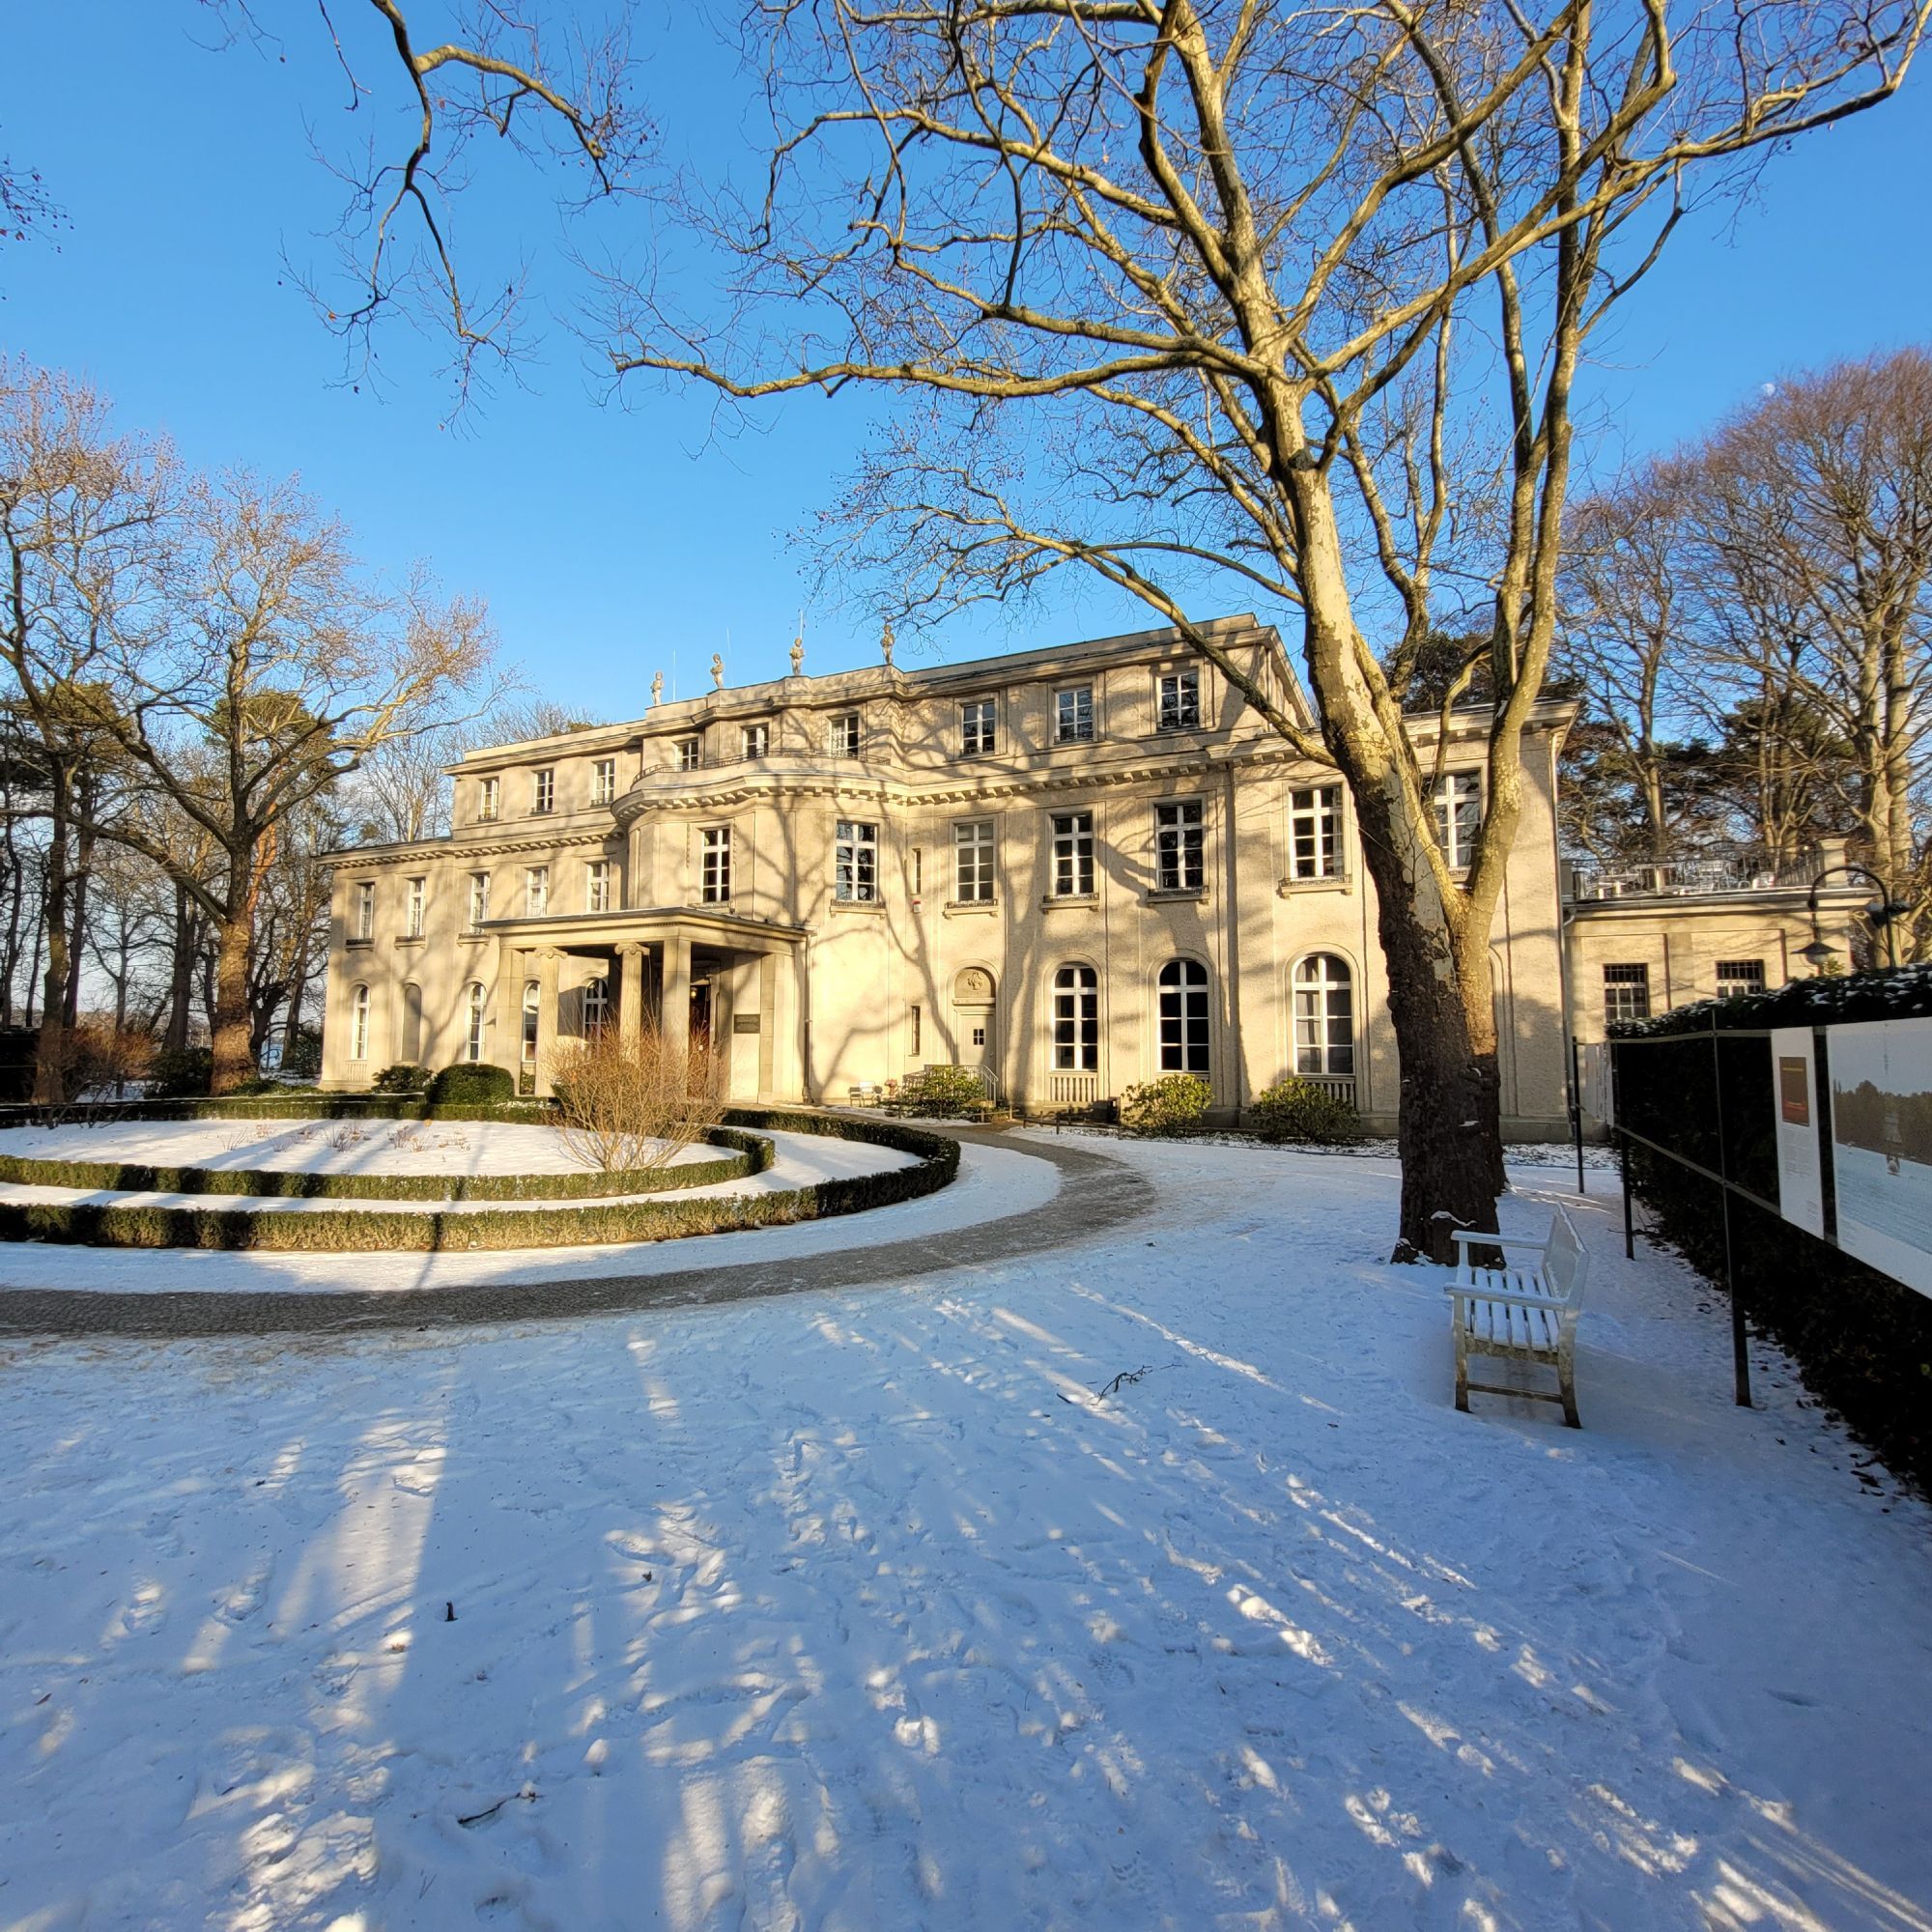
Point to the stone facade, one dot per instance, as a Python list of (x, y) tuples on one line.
[(1070, 869)]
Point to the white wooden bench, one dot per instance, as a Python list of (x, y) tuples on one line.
[(1525, 1312)]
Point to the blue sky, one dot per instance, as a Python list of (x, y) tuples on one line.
[(614, 540)]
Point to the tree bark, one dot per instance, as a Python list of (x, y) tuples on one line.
[(234, 1058), (50, 1050)]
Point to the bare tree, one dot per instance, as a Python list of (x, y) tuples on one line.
[(1199, 296)]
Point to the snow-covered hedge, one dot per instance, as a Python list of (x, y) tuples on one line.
[(1905, 993)]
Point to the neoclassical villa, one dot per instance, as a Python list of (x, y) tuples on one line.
[(1069, 869)]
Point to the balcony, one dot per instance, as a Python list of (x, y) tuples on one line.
[(1728, 869)]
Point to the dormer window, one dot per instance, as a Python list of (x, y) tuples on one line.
[(687, 754), (1180, 701), (543, 791), (603, 782)]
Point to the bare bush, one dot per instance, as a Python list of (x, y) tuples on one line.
[(624, 1104)]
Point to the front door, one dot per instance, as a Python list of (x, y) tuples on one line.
[(700, 1037), (976, 1026)]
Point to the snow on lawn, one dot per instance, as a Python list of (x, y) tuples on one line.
[(856, 1610), (993, 1183), (316, 1147), (801, 1159)]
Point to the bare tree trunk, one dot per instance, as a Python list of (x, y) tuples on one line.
[(180, 977), (51, 1053), (234, 1058)]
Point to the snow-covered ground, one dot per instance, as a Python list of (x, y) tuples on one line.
[(316, 1147), (860, 1610)]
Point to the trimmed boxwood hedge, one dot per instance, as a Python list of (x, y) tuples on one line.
[(1863, 1340), (753, 1155), (605, 1223)]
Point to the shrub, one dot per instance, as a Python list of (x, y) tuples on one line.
[(1172, 1104), (1300, 1110), (944, 1093), (177, 1072), (401, 1078), (260, 1086), (302, 1056), (471, 1084), (622, 1103)]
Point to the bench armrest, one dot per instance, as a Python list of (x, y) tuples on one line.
[(1472, 1238)]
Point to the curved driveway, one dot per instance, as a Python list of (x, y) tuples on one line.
[(1097, 1192)]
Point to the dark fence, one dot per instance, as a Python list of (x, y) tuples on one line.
[(1697, 1117)]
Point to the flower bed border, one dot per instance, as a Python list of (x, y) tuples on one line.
[(606, 1223)]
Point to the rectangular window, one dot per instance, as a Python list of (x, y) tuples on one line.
[(603, 782), (536, 891), (1074, 716), (715, 865), (1625, 993), (414, 900), (1315, 832), (916, 868), (597, 886), (973, 863), (366, 909), (758, 740), (913, 1028), (1736, 978), (1180, 701), (978, 733), (688, 755), (1458, 815), (1073, 854), (1076, 1020), (543, 791), (479, 900), (844, 736), (855, 863), (1176, 846), (489, 799)]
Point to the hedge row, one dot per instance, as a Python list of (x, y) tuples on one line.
[(333, 1230), (752, 1156), (274, 1107), (1903, 992)]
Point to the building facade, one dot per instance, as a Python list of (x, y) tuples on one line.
[(1070, 870)]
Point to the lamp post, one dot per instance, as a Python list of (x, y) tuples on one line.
[(1882, 912)]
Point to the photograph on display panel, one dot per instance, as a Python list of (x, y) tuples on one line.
[(1882, 1146)]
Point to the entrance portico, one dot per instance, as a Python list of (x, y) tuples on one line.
[(729, 987)]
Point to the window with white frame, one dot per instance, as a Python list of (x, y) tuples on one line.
[(358, 1024), (1184, 1017), (603, 782), (479, 900), (1073, 714), (1178, 701), (715, 865), (1738, 978), (978, 732), (973, 862), (1073, 854), (914, 1028), (1626, 991), (366, 909), (543, 791), (488, 798), (597, 885), (843, 738), (1076, 1019), (757, 740), (536, 891), (414, 899), (1458, 815), (1315, 832), (532, 1019), (596, 1008), (687, 754), (1178, 867), (855, 863), (1324, 1015), (472, 1038)]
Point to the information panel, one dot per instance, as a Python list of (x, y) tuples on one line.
[(1800, 1193), (1882, 1145)]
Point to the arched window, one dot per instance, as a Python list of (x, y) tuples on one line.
[(1076, 1019), (358, 1024), (1324, 1015), (596, 1008), (532, 1008), (473, 1044), (1184, 1017)]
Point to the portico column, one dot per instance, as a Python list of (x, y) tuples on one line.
[(548, 960), (630, 993), (674, 1002)]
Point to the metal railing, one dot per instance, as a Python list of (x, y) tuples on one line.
[(1730, 868)]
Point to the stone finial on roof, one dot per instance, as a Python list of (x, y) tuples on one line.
[(717, 672), (886, 644), (798, 649), (657, 689)]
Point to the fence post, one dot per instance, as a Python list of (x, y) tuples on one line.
[(1740, 1341), (1577, 1114)]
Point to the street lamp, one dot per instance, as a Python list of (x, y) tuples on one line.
[(1882, 912)]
